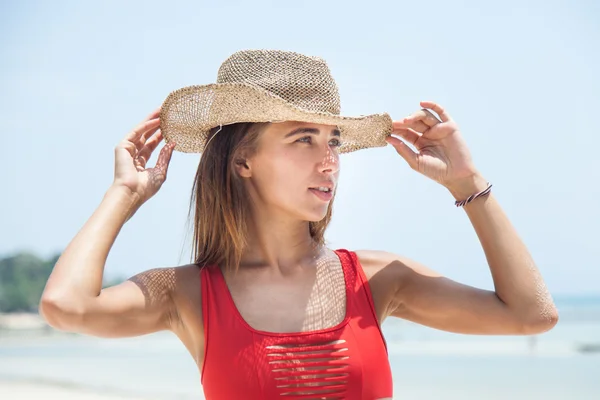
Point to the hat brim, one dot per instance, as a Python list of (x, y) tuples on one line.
[(188, 114)]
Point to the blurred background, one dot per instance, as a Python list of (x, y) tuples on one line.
[(520, 77)]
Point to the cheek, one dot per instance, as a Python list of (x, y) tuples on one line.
[(270, 171), (282, 175)]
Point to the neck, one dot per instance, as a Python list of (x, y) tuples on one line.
[(279, 243)]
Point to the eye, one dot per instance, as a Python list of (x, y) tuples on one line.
[(305, 139), (335, 142), (308, 139)]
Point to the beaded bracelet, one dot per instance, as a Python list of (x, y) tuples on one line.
[(462, 203)]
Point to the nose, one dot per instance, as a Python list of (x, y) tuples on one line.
[(330, 162)]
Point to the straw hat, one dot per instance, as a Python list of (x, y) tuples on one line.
[(266, 86)]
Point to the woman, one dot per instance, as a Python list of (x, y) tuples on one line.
[(267, 310)]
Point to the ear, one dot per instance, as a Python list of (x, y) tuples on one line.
[(242, 168)]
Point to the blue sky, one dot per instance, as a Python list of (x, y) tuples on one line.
[(520, 78)]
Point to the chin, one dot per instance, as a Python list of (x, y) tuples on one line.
[(310, 212), (315, 215)]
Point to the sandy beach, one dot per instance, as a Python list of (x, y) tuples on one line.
[(22, 321), (26, 390)]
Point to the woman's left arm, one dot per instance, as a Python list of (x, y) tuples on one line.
[(520, 303)]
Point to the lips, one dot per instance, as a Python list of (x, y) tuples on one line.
[(324, 196), (325, 184)]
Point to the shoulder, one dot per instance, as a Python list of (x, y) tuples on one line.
[(166, 279), (170, 286), (185, 291), (186, 280), (394, 279), (386, 274), (183, 284), (392, 272), (377, 263)]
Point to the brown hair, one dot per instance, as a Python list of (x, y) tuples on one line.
[(219, 200)]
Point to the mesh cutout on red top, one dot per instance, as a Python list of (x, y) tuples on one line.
[(310, 371)]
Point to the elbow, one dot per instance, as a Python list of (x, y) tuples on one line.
[(60, 313), (542, 322), (50, 312)]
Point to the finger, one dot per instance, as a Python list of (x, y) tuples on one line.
[(408, 134), (141, 143), (148, 134), (405, 152), (431, 119), (149, 147), (407, 123), (164, 158), (426, 116), (439, 110), (136, 133)]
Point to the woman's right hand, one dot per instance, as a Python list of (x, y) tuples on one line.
[(132, 154)]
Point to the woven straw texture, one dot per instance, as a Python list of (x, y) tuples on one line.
[(266, 86)]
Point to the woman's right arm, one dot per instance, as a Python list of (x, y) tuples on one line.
[(73, 299)]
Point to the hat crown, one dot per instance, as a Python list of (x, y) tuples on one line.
[(303, 81)]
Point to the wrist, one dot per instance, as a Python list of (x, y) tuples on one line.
[(124, 199), (465, 187)]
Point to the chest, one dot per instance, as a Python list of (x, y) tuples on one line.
[(304, 355), (326, 345), (312, 300)]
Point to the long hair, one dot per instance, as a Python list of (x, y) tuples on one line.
[(220, 204)]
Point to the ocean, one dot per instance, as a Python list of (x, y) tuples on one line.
[(427, 364)]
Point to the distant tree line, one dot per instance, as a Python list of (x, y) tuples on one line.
[(23, 277)]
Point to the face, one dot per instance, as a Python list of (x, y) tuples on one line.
[(295, 169)]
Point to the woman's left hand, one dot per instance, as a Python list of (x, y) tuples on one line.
[(442, 153)]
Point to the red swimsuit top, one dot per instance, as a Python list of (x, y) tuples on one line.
[(347, 361)]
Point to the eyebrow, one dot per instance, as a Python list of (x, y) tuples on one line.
[(313, 131)]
